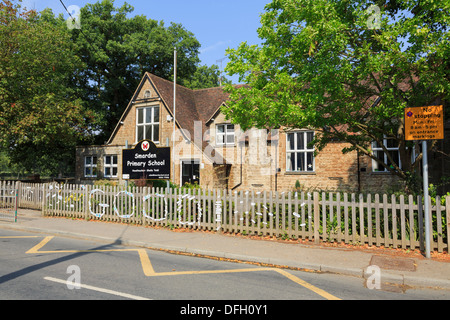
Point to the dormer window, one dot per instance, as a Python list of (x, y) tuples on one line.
[(225, 134)]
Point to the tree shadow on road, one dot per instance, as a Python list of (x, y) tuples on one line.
[(75, 255)]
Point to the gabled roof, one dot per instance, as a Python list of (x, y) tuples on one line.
[(191, 105)]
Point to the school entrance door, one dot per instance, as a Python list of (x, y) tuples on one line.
[(190, 171)]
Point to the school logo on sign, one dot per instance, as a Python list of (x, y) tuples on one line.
[(145, 146)]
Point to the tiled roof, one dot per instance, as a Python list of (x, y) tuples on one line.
[(191, 106)]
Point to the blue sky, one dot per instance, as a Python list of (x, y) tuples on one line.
[(218, 25)]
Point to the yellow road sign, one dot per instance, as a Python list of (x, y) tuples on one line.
[(424, 123)]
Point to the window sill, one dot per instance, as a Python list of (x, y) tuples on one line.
[(381, 173), (156, 143), (302, 173), (225, 145)]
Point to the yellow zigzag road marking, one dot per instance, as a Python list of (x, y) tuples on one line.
[(307, 285), (147, 266), (36, 248)]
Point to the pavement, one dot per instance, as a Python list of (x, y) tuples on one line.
[(413, 271)]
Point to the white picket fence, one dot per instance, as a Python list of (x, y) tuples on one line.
[(376, 220), (8, 201)]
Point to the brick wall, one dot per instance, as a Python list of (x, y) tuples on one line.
[(333, 170), (99, 152), (126, 131)]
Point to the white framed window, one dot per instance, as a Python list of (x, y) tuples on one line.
[(90, 167), (225, 134), (392, 148), (299, 154), (147, 124), (110, 166)]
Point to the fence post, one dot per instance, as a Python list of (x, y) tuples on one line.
[(316, 218), (86, 202), (43, 197), (18, 188), (447, 221), (140, 207), (16, 203), (421, 228)]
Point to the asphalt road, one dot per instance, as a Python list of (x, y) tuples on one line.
[(42, 267)]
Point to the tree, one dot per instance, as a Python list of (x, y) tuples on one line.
[(205, 77), (347, 70), (61, 87), (117, 50), (40, 117)]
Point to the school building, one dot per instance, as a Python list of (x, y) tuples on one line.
[(208, 150)]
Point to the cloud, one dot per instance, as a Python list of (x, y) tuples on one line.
[(214, 46)]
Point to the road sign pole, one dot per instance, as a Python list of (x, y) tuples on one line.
[(423, 124), (425, 199), (126, 181), (16, 203)]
